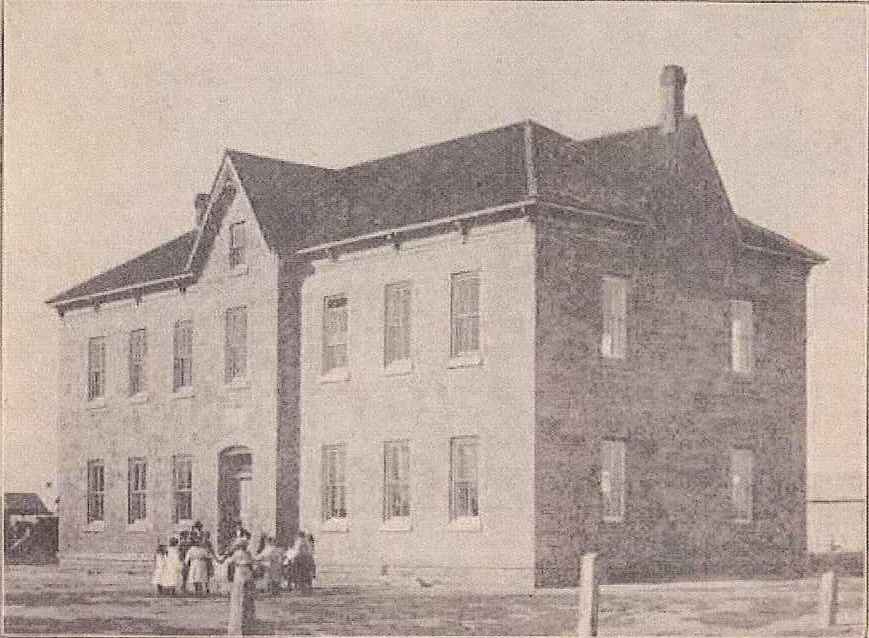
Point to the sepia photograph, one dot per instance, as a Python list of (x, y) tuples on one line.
[(454, 319)]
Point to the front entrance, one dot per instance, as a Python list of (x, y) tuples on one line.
[(234, 492)]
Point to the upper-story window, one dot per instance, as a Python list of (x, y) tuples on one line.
[(614, 337), (396, 328), (182, 368), (236, 343), (612, 479), (334, 333), (742, 483), (96, 368), (742, 336), (237, 244), (138, 348), (465, 313)]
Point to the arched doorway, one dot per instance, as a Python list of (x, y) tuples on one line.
[(234, 491)]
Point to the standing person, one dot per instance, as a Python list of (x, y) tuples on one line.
[(242, 609), (159, 560), (197, 565), (209, 548), (300, 563), (171, 578), (183, 547), (271, 557)]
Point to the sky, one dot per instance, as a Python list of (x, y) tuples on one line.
[(117, 114)]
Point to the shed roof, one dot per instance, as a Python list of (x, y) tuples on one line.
[(23, 503)]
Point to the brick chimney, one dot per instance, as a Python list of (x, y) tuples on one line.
[(673, 82), (201, 205)]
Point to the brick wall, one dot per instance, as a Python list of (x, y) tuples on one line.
[(673, 400)]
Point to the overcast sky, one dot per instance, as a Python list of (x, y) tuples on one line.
[(117, 115)]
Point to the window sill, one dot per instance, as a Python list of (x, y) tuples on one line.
[(614, 519), (397, 368), (138, 527), (466, 360), (139, 397), (465, 524), (239, 270), (239, 383), (335, 375), (184, 393), (396, 524), (741, 521), (97, 404), (335, 525), (94, 527)]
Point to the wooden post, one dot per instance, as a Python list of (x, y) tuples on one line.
[(588, 595), (828, 603)]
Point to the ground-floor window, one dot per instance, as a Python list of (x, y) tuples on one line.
[(182, 481), (334, 497), (612, 480), (96, 489), (396, 479), (742, 483), (463, 477), (137, 490)]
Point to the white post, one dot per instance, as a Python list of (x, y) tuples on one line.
[(588, 594), (828, 603)]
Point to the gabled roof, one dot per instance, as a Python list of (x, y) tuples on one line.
[(23, 503), (161, 263), (637, 176)]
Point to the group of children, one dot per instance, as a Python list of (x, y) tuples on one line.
[(190, 559)]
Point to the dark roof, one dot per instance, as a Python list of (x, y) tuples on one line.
[(638, 175), (23, 503), (168, 260), (765, 239)]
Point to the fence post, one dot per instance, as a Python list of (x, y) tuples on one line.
[(588, 595), (828, 603)]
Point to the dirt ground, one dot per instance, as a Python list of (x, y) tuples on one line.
[(43, 600)]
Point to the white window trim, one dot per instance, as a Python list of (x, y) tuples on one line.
[(341, 373), (751, 362), (469, 358), (609, 353), (741, 520), (99, 403), (620, 517), (405, 364), (465, 524), (335, 525), (397, 524)]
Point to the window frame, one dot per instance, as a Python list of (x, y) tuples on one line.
[(96, 381), (182, 355), (237, 245), (456, 443), (613, 459), (333, 491), (333, 339), (742, 336), (182, 487), (615, 290), (235, 344), (742, 512), (137, 490), (462, 317), (137, 353), (400, 464), (95, 492), (397, 322)]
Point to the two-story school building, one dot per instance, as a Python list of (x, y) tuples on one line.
[(473, 360)]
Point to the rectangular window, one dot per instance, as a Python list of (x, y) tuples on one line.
[(742, 483), (615, 305), (182, 485), (396, 328), (138, 347), (96, 490), (96, 368), (465, 313), (742, 336), (612, 480), (334, 497), (334, 333), (463, 477), (183, 357), (396, 479), (237, 244), (236, 343), (137, 490)]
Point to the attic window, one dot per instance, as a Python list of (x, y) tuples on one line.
[(237, 244)]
